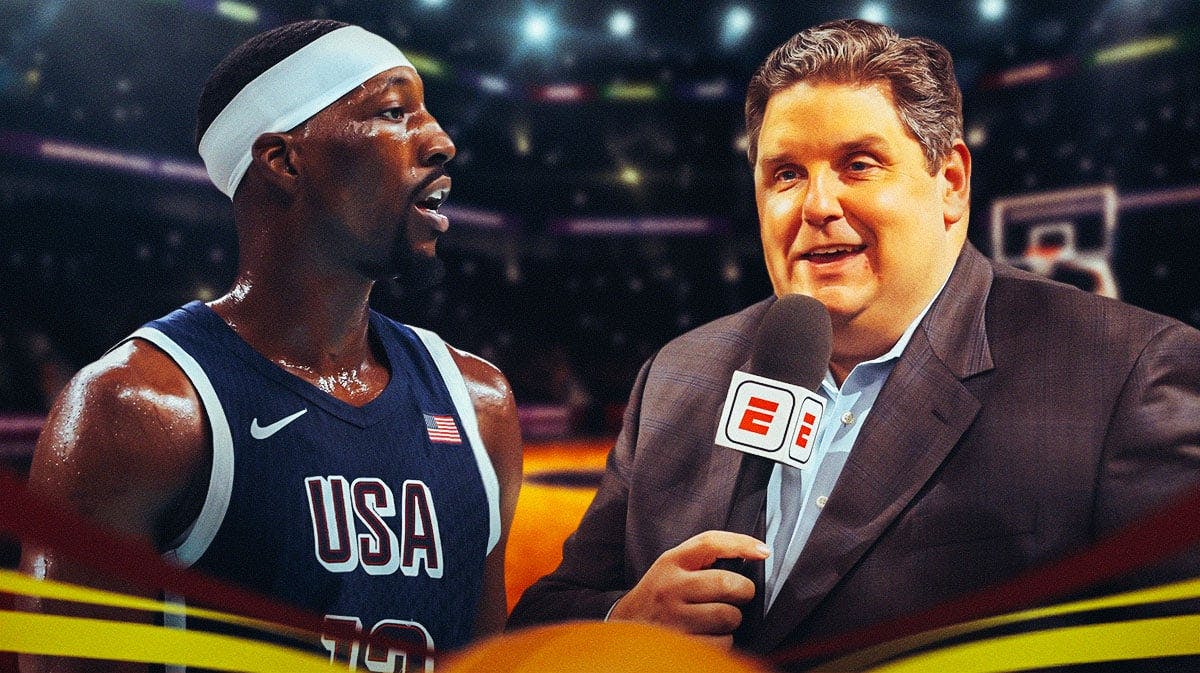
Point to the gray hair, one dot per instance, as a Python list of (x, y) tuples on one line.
[(851, 51)]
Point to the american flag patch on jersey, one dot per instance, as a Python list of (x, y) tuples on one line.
[(441, 429)]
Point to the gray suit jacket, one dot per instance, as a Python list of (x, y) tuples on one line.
[(1025, 420)]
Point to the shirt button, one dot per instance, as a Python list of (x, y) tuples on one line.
[(821, 500), (848, 418)]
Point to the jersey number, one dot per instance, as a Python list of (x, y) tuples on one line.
[(379, 659)]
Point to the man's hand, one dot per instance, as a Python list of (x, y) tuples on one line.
[(683, 591)]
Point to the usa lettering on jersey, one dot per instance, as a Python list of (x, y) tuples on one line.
[(351, 526)]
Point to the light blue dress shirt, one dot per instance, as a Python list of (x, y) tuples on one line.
[(795, 496)]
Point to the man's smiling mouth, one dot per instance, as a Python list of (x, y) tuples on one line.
[(831, 253)]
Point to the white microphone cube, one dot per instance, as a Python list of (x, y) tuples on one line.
[(770, 418)]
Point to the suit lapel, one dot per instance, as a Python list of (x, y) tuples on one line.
[(920, 415)]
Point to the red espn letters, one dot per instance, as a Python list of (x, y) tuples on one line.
[(760, 413), (758, 416)]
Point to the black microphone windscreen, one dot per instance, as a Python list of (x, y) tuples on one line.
[(794, 342)]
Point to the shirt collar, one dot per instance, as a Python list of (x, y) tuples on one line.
[(898, 348)]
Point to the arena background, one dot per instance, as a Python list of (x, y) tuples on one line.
[(602, 203)]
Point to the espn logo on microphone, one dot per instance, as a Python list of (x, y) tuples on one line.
[(770, 418)]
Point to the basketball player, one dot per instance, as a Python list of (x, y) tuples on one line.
[(285, 437)]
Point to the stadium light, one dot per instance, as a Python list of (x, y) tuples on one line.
[(620, 24), (873, 11), (738, 21), (241, 12), (977, 135), (493, 84), (522, 143), (992, 10), (537, 28), (203, 292)]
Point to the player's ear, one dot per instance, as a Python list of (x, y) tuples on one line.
[(271, 156)]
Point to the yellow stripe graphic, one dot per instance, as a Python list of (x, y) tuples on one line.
[(12, 582), (1140, 639), (102, 639), (1187, 589)]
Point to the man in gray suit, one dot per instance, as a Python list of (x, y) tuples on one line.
[(980, 421)]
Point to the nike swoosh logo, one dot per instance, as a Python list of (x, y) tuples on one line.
[(262, 432)]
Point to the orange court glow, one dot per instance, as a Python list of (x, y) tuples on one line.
[(548, 512)]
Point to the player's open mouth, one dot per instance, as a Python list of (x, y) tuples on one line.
[(434, 200), (431, 198), (832, 253)]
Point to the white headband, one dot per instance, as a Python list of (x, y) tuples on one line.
[(290, 92)]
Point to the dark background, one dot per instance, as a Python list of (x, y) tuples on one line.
[(106, 221)]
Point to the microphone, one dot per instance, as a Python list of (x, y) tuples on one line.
[(794, 342), (771, 411)]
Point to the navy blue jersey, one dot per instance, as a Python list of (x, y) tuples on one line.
[(380, 515)]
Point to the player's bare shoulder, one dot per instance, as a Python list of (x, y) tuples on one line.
[(496, 410), (124, 438), (487, 384)]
